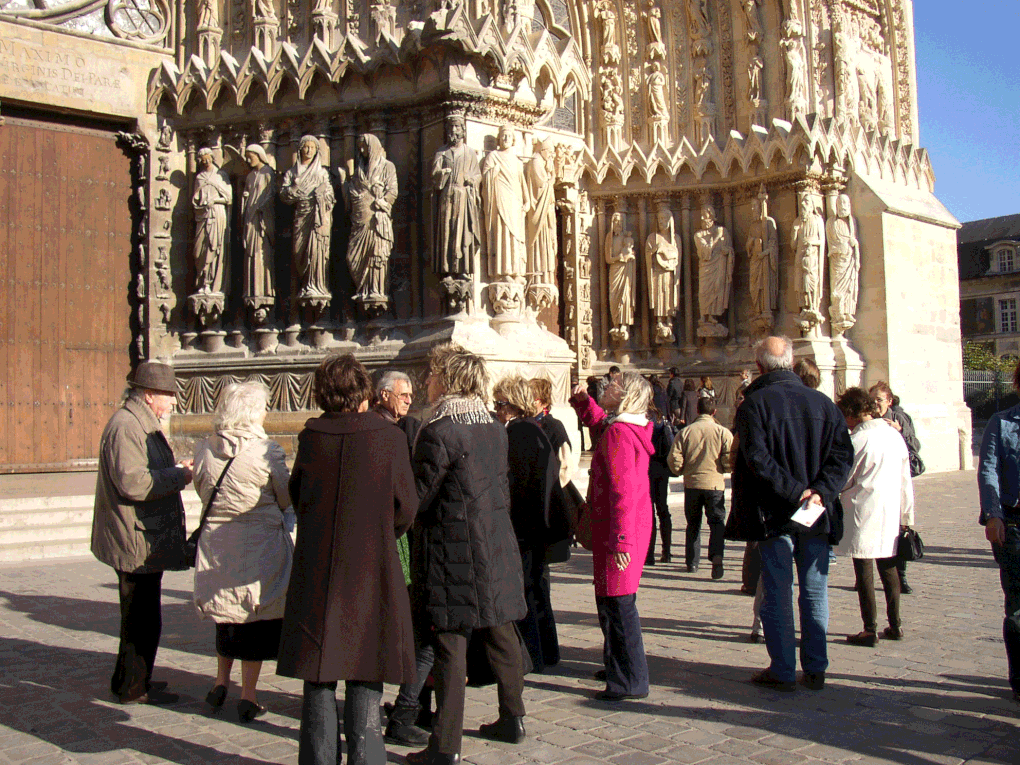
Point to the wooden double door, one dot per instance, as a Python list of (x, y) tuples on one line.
[(65, 286)]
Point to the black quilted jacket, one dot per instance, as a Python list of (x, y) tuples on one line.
[(467, 568)]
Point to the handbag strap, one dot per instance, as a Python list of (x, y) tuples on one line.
[(212, 497)]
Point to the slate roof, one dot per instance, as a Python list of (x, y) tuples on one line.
[(973, 237)]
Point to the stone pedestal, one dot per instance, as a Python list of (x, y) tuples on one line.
[(820, 350)]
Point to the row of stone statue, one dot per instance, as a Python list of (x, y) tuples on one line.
[(499, 205), (369, 191), (715, 262)]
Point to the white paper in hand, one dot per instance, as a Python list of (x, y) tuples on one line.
[(808, 513)]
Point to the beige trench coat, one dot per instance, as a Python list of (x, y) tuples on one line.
[(244, 553), (138, 522)]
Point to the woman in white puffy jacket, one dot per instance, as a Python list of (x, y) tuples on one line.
[(878, 500)]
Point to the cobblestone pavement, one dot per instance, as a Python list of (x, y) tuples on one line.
[(940, 696)]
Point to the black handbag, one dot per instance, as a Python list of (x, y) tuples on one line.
[(910, 547), (191, 546)]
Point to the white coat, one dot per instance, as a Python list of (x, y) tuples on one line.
[(879, 496), (245, 553)]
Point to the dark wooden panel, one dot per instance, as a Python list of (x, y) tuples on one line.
[(65, 308)]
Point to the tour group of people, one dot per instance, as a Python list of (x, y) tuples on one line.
[(423, 547)]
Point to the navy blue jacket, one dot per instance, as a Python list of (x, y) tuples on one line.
[(791, 438)]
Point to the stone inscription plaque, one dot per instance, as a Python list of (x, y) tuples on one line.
[(64, 71)]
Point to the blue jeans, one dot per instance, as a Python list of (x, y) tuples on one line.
[(1008, 558), (319, 742), (810, 554)]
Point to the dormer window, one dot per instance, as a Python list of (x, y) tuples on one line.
[(1003, 258)]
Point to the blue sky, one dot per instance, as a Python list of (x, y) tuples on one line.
[(968, 81)]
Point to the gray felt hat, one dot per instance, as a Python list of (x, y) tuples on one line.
[(152, 375)]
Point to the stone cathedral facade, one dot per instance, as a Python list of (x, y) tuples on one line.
[(560, 185)]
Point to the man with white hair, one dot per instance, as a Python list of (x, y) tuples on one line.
[(793, 459), (394, 393)]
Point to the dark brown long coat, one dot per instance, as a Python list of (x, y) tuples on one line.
[(348, 615)]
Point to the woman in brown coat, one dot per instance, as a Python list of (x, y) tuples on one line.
[(348, 615)]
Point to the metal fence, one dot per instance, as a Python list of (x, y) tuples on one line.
[(988, 392)]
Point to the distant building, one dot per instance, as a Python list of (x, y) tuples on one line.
[(989, 263)]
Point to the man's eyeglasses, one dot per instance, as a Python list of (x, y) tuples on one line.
[(402, 396)]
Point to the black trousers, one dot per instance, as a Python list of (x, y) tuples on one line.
[(538, 627), (890, 577), (623, 650), (751, 569), (503, 650), (141, 624), (660, 501), (713, 502)]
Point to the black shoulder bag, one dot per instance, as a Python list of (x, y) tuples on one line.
[(191, 546)]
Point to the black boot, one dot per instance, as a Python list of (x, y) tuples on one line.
[(507, 728), (429, 757), (901, 567), (401, 730), (667, 541), (424, 720)]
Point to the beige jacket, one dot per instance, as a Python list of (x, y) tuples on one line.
[(138, 520), (244, 553), (701, 452)]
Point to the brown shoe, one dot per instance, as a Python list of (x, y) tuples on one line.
[(766, 679), (893, 633)]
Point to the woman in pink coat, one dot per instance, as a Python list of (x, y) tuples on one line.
[(621, 524)]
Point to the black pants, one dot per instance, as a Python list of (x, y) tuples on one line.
[(751, 569), (538, 627), (660, 501), (141, 624), (623, 650), (713, 502), (503, 650), (890, 577)]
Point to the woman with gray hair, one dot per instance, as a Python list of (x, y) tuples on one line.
[(619, 494), (244, 551)]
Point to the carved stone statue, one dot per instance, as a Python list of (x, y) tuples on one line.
[(456, 177), (700, 27), (658, 104), (754, 67), (704, 109), (307, 186), (715, 273), (540, 176), (867, 101), (384, 19), (656, 47), (505, 202), (259, 228), (213, 194), (610, 48), (264, 9), (754, 32), (663, 258), (808, 240), (620, 259), (208, 15), (612, 106), (763, 254), (844, 265), (796, 67), (370, 192)]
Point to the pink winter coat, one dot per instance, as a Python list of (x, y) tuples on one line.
[(619, 495)]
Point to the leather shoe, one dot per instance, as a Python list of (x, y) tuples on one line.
[(600, 675), (813, 681), (865, 639), (717, 569), (247, 711), (905, 589), (216, 696), (754, 637), (614, 696), (508, 729), (893, 633), (430, 757), (692, 569), (766, 679), (401, 730)]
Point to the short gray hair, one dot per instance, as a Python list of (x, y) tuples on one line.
[(769, 361), (240, 406), (389, 378)]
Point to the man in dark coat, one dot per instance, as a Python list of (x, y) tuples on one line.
[(348, 615), (138, 525), (794, 456)]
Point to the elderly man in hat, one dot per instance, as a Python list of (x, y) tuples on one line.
[(138, 526)]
